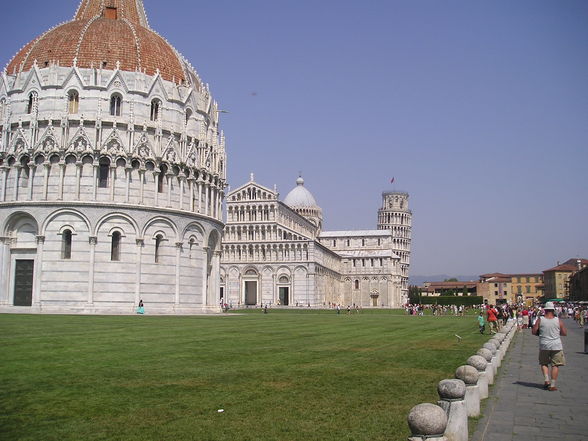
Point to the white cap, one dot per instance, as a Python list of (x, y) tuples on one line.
[(549, 305)]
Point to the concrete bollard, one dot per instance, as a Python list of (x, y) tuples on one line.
[(498, 353), (427, 422), (492, 348), (452, 400), (469, 375), (480, 364), (489, 368)]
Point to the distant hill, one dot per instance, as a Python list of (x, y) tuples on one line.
[(420, 280)]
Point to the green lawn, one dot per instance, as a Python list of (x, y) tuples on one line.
[(286, 375)]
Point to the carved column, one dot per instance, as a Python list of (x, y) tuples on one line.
[(199, 196), (95, 171), (47, 168), (32, 172), (93, 240), (142, 184), (79, 167), (36, 301), (61, 179), (191, 192), (156, 173), (4, 169), (181, 179), (112, 180), (169, 176), (205, 276), (178, 266), (128, 171), (17, 171), (140, 243), (4, 269)]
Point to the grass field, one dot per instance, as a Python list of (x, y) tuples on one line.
[(286, 375)]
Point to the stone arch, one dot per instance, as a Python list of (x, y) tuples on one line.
[(66, 211), (15, 223), (163, 220)]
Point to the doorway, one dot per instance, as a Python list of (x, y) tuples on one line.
[(284, 295), (250, 292), (23, 282)]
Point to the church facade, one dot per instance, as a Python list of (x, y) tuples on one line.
[(275, 253), (112, 171)]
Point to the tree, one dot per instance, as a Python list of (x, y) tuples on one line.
[(453, 279)]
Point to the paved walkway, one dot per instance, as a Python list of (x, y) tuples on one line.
[(518, 408)]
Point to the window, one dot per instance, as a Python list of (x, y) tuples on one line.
[(110, 12), (188, 115), (155, 104), (66, 244), (158, 241), (32, 104), (115, 105), (103, 173), (73, 102), (363, 242), (115, 247), (357, 284)]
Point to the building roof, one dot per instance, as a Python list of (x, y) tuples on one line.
[(355, 233), (367, 254), (562, 268), (103, 36)]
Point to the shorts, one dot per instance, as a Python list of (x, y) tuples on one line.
[(554, 358)]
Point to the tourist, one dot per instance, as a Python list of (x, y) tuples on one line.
[(141, 308), (492, 319), (481, 323), (549, 329)]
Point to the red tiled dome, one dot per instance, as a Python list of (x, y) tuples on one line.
[(101, 34)]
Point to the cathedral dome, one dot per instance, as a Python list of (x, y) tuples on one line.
[(300, 197), (105, 34)]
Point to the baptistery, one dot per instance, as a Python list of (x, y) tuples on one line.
[(112, 171)]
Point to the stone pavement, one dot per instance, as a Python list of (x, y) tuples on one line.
[(518, 408)]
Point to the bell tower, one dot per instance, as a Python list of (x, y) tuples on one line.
[(395, 215)]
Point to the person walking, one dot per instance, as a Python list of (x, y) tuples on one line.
[(492, 319), (481, 323), (549, 329)]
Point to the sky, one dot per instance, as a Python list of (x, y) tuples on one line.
[(477, 109)]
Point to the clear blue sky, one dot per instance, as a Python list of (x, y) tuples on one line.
[(479, 109)]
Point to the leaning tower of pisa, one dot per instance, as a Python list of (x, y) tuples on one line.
[(394, 215)]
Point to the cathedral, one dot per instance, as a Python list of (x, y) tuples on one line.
[(112, 171), (112, 183), (276, 253)]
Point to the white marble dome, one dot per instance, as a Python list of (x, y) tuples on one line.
[(300, 197), (302, 201)]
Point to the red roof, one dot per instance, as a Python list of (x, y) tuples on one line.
[(92, 39)]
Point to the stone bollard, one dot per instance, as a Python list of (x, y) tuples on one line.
[(480, 364), (469, 375), (489, 368), (427, 422), (499, 346), (452, 400), (498, 353), (492, 348)]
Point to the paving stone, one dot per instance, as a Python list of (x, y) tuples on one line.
[(518, 403)]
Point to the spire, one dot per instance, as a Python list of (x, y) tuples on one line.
[(132, 10)]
